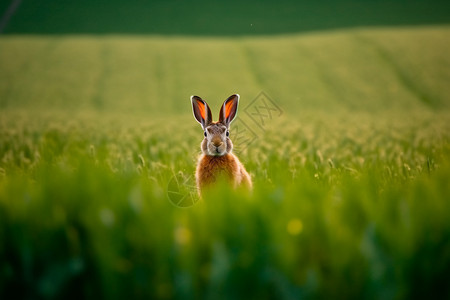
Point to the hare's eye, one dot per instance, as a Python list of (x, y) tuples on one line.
[(204, 134), (228, 133)]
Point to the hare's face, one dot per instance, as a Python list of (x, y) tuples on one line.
[(216, 141)]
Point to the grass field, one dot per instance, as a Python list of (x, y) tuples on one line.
[(359, 70), (351, 170)]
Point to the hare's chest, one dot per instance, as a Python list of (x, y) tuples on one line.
[(213, 168)]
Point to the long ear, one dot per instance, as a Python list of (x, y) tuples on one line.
[(229, 110), (201, 110)]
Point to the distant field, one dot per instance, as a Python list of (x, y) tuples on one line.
[(358, 70), (351, 169)]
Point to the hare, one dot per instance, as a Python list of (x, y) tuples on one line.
[(216, 160)]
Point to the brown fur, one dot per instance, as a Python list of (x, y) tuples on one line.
[(228, 166), (217, 161)]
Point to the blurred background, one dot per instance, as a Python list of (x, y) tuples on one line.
[(216, 18), (96, 55), (344, 112)]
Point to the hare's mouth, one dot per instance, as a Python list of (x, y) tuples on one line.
[(216, 151)]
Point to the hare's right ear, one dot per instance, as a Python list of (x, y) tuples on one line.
[(201, 110)]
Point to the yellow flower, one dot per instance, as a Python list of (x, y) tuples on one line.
[(182, 235), (294, 226)]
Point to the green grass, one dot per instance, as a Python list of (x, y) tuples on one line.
[(351, 181), (360, 70)]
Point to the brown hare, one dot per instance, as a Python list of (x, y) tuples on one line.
[(216, 160)]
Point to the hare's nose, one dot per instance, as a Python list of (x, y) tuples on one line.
[(218, 144)]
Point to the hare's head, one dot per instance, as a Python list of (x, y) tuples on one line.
[(216, 141)]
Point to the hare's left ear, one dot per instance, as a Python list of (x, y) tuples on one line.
[(228, 110)]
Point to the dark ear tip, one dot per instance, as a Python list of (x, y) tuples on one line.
[(234, 97)]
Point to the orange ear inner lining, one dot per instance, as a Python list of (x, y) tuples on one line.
[(228, 108), (202, 109)]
